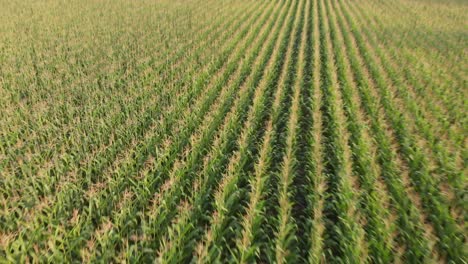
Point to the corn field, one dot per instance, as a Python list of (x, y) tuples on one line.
[(190, 131)]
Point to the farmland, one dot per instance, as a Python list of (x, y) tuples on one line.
[(292, 131)]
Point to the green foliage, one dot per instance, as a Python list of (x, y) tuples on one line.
[(246, 131)]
